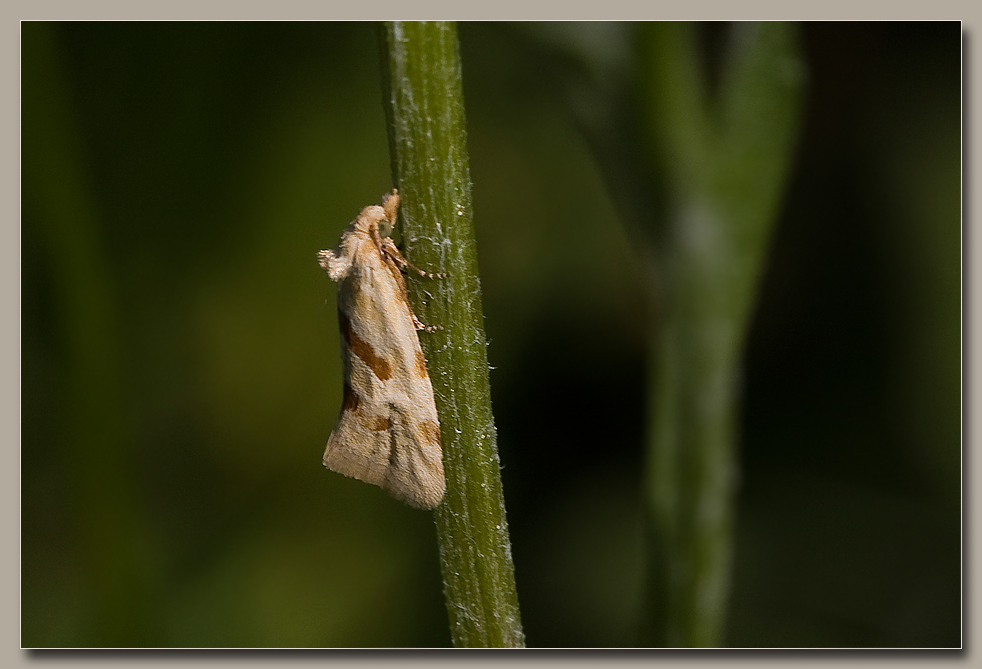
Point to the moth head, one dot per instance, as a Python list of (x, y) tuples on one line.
[(372, 218), (385, 227)]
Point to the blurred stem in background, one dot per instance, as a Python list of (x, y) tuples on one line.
[(423, 99), (725, 157)]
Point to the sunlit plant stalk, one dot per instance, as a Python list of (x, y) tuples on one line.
[(423, 99)]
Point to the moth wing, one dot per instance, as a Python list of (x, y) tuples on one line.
[(403, 459), (388, 433)]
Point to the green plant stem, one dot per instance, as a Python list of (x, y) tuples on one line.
[(424, 106), (726, 164)]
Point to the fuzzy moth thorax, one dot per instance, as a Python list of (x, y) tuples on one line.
[(388, 433)]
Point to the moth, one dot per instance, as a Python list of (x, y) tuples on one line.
[(388, 433)]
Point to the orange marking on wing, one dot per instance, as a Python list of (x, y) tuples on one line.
[(421, 365), (431, 431), (361, 348), (382, 425)]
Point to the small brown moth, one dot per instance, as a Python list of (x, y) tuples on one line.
[(388, 433)]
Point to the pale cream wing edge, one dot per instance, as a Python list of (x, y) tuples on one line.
[(397, 460)]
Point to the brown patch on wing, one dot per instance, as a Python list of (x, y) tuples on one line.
[(431, 431), (350, 400), (421, 365), (382, 425), (361, 348)]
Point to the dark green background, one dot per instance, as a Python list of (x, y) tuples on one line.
[(180, 368)]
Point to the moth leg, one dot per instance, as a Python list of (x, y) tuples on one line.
[(390, 252), (419, 325), (388, 247)]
